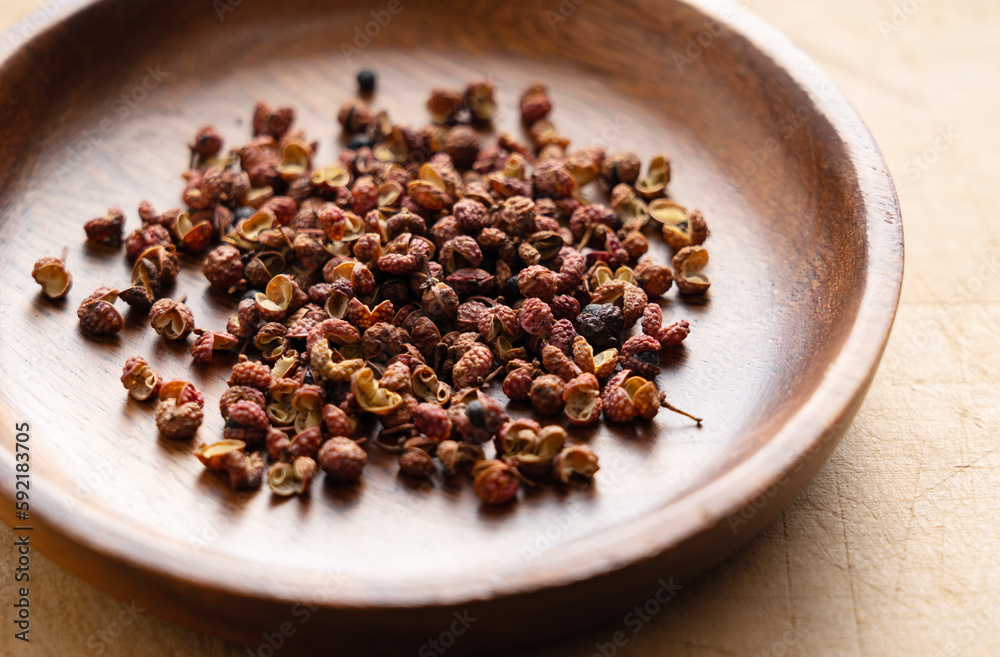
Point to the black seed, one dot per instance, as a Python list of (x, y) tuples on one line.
[(648, 357), (613, 179), (309, 380), (359, 141), (250, 294), (474, 411), (366, 81), (243, 212), (511, 290), (489, 262), (601, 324)]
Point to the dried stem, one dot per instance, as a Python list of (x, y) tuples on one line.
[(673, 408), (492, 375)]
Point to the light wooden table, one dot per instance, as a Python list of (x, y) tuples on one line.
[(894, 549)]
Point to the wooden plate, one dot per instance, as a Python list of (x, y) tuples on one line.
[(95, 109)]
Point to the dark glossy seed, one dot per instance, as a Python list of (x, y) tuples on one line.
[(600, 324), (359, 141), (648, 357), (243, 212), (474, 411), (366, 81), (511, 290)]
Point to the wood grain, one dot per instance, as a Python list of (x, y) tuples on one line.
[(740, 609)]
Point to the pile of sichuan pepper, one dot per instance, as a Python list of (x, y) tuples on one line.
[(398, 282)]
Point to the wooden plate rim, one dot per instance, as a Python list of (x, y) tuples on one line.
[(834, 401)]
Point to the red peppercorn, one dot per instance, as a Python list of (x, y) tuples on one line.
[(535, 317), (251, 373), (673, 334), (432, 421), (537, 281), (546, 394), (517, 384), (535, 104), (495, 482), (106, 229), (234, 394), (342, 459), (223, 267)]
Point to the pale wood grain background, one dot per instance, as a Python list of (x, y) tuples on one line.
[(894, 548)]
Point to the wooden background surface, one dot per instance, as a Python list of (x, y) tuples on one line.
[(894, 548)]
